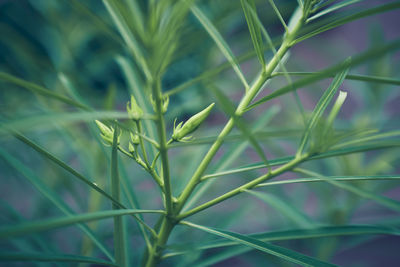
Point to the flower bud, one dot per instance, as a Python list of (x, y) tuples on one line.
[(133, 109), (165, 103), (135, 139), (181, 131), (107, 133)]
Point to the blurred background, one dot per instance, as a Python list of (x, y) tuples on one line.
[(73, 48)]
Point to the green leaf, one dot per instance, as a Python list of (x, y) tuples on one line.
[(52, 197), (78, 6), (114, 10), (121, 257), (77, 175), (287, 209), (367, 138), (46, 257), (333, 8), (274, 250), (334, 178), (384, 201), (346, 64), (47, 121), (63, 165), (254, 29), (40, 90), (327, 154), (320, 108), (293, 234), (345, 20), (218, 257), (49, 224), (222, 45), (276, 10), (365, 78)]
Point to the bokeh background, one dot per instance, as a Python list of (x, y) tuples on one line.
[(73, 48)]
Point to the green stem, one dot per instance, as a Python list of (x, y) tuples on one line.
[(119, 230), (287, 167), (141, 143), (155, 252), (158, 98), (149, 167), (171, 217), (248, 97)]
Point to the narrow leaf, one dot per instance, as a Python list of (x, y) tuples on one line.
[(355, 77), (30, 257), (45, 225), (222, 45), (368, 55), (52, 197), (382, 200), (40, 90), (333, 8), (294, 234), (254, 29), (320, 108), (127, 35), (274, 250), (290, 211), (345, 20), (327, 154)]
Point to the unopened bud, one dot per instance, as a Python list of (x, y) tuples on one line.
[(165, 103), (107, 133), (135, 139), (133, 109), (181, 131)]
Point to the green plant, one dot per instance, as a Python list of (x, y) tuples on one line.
[(155, 34)]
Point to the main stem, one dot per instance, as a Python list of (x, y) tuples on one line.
[(170, 220), (158, 99)]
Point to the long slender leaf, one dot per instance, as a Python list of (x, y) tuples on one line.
[(254, 29), (52, 197), (276, 10), (127, 35), (327, 154), (77, 175), (320, 108), (46, 121), (20, 256), (367, 138), (339, 22), (335, 178), (333, 8), (40, 90), (294, 234), (49, 224), (291, 212), (222, 45), (356, 77), (274, 250), (370, 54), (382, 200), (66, 167)]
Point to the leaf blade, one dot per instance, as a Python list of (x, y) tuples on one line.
[(274, 250)]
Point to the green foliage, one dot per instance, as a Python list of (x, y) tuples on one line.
[(91, 93)]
